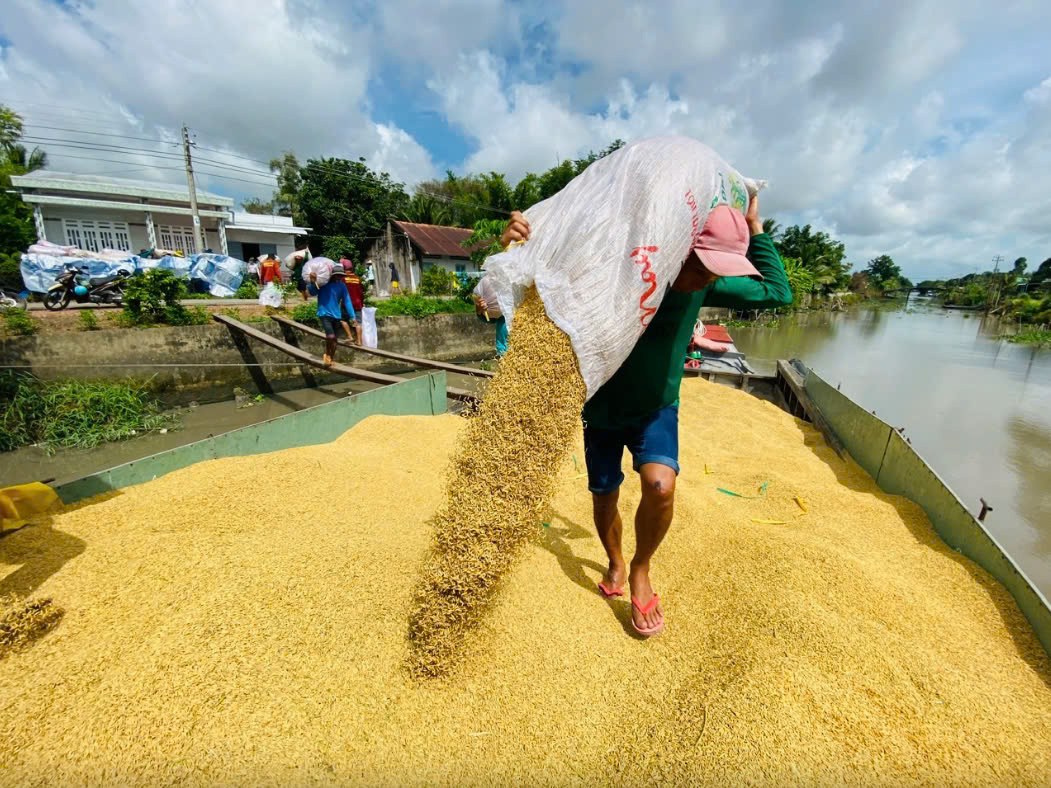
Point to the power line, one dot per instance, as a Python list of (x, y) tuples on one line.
[(329, 169), (64, 108), (102, 134)]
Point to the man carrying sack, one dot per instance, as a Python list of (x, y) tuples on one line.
[(733, 263)]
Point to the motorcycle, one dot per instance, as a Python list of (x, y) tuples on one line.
[(74, 284), (10, 301)]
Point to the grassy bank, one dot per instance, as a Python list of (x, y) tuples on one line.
[(73, 413), (1031, 336)]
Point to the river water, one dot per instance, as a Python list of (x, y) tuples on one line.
[(977, 408)]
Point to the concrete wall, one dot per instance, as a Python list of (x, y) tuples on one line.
[(174, 362), (136, 220)]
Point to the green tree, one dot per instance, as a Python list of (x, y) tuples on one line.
[(341, 197), (337, 246), (824, 257), (256, 205), (1019, 267), (773, 229), (885, 274), (16, 218), (10, 128), (800, 279), (25, 160), (289, 182), (427, 207), (527, 192), (1042, 273), (485, 239)]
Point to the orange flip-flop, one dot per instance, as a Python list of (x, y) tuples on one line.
[(646, 610), (608, 593)]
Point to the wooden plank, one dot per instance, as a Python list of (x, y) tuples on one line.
[(314, 361), (413, 360), (793, 382)]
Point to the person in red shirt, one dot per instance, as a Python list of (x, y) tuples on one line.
[(270, 270), (356, 292)]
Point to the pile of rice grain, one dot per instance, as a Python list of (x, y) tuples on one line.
[(218, 632), (501, 478)]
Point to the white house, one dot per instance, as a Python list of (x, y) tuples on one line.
[(94, 212)]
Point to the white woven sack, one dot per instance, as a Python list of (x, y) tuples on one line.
[(368, 326), (321, 266), (604, 250), (271, 296)]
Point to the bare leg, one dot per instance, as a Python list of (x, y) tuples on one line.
[(357, 330), (346, 330), (652, 521), (330, 351), (610, 528)]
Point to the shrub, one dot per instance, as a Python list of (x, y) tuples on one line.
[(418, 306), (11, 272), (248, 289), (437, 281), (306, 313), (467, 284), (88, 321), (17, 322), (153, 297)]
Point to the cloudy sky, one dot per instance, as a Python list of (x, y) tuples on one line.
[(918, 129)]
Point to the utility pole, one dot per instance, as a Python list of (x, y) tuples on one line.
[(390, 250), (197, 242), (999, 285)]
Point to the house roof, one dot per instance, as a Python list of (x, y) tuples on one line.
[(433, 239), (99, 184)]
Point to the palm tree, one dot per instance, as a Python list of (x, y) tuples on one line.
[(25, 160), (772, 228)]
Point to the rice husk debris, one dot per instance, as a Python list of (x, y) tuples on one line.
[(503, 474), (24, 620), (226, 624)]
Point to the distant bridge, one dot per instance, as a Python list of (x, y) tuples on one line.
[(911, 290)]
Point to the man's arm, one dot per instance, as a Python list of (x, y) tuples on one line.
[(737, 292)]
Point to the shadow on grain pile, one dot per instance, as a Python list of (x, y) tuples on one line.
[(501, 478)]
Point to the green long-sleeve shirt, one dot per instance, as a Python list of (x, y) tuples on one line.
[(649, 378)]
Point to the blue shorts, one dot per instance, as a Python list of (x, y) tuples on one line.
[(655, 440)]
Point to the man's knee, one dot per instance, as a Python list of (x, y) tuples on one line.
[(658, 482), (605, 505)]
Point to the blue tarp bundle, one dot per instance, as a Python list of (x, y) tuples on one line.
[(220, 273)]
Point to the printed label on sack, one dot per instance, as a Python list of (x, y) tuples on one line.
[(640, 255)]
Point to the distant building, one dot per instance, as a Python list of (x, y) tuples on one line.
[(417, 247), (95, 212)]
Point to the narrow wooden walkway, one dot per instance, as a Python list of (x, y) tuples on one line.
[(314, 361), (401, 357)]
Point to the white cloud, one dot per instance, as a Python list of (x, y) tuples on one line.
[(248, 76), (916, 129)]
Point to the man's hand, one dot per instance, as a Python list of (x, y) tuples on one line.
[(755, 224), (517, 229), (480, 305), (313, 278)]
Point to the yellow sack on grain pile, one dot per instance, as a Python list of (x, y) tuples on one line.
[(19, 503)]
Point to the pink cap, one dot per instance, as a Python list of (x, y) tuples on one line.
[(723, 243)]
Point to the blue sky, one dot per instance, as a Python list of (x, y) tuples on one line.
[(913, 129)]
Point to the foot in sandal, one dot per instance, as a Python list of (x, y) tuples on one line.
[(647, 616), (612, 583)]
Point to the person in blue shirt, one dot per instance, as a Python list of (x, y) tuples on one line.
[(330, 297)]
